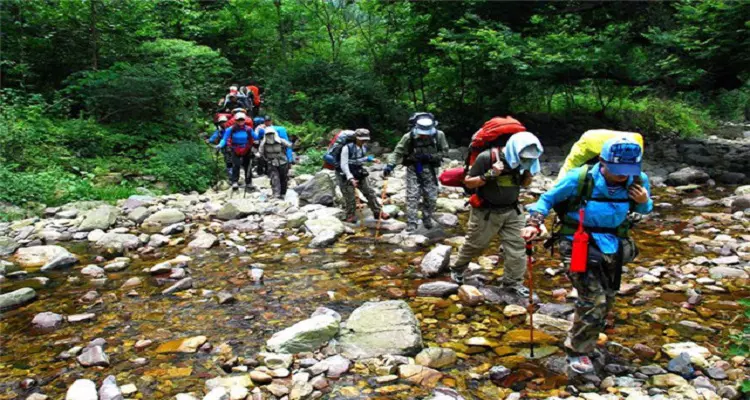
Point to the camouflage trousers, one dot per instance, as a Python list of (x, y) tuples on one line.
[(422, 187), (596, 288), (350, 202)]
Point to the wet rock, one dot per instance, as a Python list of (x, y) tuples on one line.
[(728, 260), (185, 396), (278, 390), (16, 298), (238, 393), (225, 297), (325, 230), (728, 392), (389, 225), (703, 382), (740, 203), (185, 345), (697, 353), (173, 229), (326, 311), (157, 240), (727, 272), (93, 271), (228, 382), (93, 355), (82, 389), (498, 373), (443, 393), (716, 373), (118, 243), (445, 219), (324, 239), (556, 310), (109, 389), (162, 218), (335, 366), (436, 357), (117, 266), (99, 218), (451, 205), (307, 335), (698, 202), (37, 396), (38, 256), (690, 328), (419, 375), (182, 284), (652, 370), (436, 260), (275, 360), (8, 246), (260, 377), (668, 380), (131, 283), (47, 321), (319, 383), (202, 241), (470, 295), (687, 176), (513, 310), (139, 214), (551, 325), (437, 289), (379, 328), (318, 190), (218, 393)]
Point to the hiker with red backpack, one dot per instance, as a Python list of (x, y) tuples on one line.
[(497, 174), (352, 175), (594, 204), (421, 151), (239, 139)]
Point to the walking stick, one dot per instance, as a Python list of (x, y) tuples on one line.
[(530, 307), (382, 204), (361, 218)]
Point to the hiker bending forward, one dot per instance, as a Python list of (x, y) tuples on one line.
[(352, 175), (498, 175), (273, 151), (606, 193), (421, 151)]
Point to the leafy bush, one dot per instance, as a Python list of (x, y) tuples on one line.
[(311, 162), (184, 166)]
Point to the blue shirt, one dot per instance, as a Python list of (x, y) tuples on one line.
[(215, 136), (597, 213), (240, 137)]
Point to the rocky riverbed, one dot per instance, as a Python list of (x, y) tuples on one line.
[(222, 295)]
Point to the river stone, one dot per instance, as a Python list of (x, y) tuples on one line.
[(82, 389), (317, 226), (436, 260), (444, 393), (185, 345), (307, 335), (697, 353), (237, 208), (451, 205), (203, 240), (652, 370), (727, 272), (741, 203), (324, 239), (437, 289), (139, 214), (182, 284), (436, 357), (109, 389), (47, 321), (318, 190), (7, 246), (163, 218), (93, 355), (687, 176), (556, 310), (668, 380), (446, 219), (419, 375), (229, 381), (61, 261), (99, 218), (158, 240), (16, 298), (379, 328), (218, 393), (470, 295), (118, 243), (389, 225), (37, 256), (277, 360), (681, 365)]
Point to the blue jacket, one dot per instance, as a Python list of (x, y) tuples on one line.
[(598, 214), (217, 135), (281, 131), (239, 137)]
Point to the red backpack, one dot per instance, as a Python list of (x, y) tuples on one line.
[(495, 132)]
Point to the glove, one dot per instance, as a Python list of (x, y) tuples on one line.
[(217, 147), (370, 158), (388, 169)]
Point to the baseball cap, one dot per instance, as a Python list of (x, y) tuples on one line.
[(425, 126), (362, 134), (622, 156), (240, 115), (267, 118), (223, 118)]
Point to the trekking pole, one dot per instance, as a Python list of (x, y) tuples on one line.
[(382, 204), (530, 307), (361, 218)]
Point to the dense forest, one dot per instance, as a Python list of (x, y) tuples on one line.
[(101, 97)]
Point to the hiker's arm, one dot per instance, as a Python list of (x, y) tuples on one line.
[(563, 190), (475, 177), (397, 156), (284, 142), (526, 179), (261, 147), (345, 163), (224, 138), (647, 207), (443, 145)]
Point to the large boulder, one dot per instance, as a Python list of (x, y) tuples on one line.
[(741, 203), (162, 218), (118, 243), (16, 298), (436, 260), (40, 256), (379, 328), (8, 246), (317, 226), (687, 176), (318, 190), (307, 335), (237, 208), (99, 218)]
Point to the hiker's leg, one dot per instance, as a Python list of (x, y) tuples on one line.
[(227, 163), (274, 176), (479, 233), (372, 200), (514, 249), (236, 165), (284, 178), (429, 195), (248, 170), (412, 195), (347, 191)]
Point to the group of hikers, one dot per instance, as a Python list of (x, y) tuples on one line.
[(598, 194)]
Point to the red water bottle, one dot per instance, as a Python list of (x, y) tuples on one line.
[(579, 256)]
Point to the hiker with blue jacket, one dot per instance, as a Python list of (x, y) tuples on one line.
[(238, 140), (594, 204)]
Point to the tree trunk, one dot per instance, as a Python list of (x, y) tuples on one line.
[(94, 37), (282, 38)]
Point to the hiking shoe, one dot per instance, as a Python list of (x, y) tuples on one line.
[(428, 224), (580, 364), (517, 289), (411, 228), (457, 276), (384, 215), (249, 187), (235, 186)]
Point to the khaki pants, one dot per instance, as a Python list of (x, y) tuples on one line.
[(349, 194), (484, 224)]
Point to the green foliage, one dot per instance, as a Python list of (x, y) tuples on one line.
[(311, 162), (308, 132), (184, 166)]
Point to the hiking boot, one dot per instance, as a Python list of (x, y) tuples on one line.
[(580, 364), (410, 228), (457, 276), (428, 224), (235, 186), (249, 187), (519, 290), (384, 215)]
